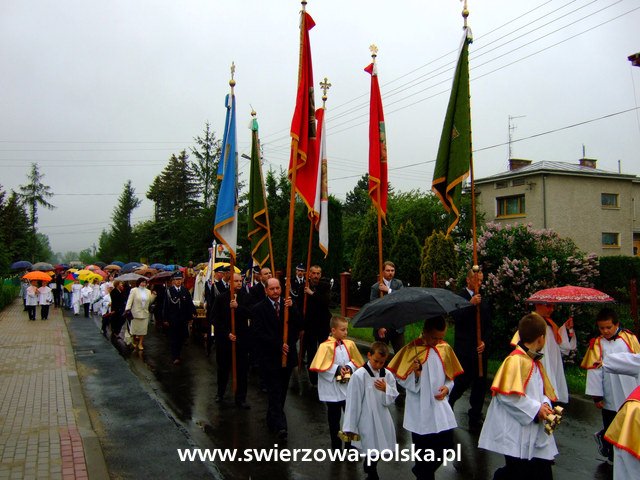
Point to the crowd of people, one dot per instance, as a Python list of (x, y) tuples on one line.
[(251, 323)]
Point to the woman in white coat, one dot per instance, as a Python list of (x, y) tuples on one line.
[(45, 298), (31, 299), (138, 302)]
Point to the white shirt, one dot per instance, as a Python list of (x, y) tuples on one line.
[(367, 410), (612, 387), (423, 414), (330, 390), (45, 297), (509, 428)]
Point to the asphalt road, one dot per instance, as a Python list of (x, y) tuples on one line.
[(144, 409)]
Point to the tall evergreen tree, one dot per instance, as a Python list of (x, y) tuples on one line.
[(14, 223), (35, 194), (205, 166), (405, 253), (175, 191), (121, 226)]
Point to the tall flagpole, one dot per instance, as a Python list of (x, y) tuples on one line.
[(264, 197), (374, 54), (232, 296), (476, 267), (292, 212)]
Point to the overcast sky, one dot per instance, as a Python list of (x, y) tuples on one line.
[(101, 92)]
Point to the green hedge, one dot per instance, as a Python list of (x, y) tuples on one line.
[(8, 294), (615, 273)]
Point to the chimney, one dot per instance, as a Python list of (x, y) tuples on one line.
[(588, 162), (516, 163)]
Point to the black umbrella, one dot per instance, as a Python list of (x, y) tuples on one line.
[(161, 277), (20, 265), (408, 305)]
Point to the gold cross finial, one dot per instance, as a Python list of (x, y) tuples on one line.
[(324, 85), (232, 82), (374, 50)]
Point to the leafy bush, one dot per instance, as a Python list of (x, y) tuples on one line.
[(8, 293), (517, 261)]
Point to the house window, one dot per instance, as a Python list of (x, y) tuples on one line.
[(516, 182), (510, 206), (610, 239), (501, 185), (609, 200)]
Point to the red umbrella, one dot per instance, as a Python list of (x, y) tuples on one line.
[(570, 294)]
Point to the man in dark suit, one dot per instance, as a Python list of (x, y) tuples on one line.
[(222, 307), (466, 347), (178, 311), (267, 328), (317, 316), (257, 291), (388, 284)]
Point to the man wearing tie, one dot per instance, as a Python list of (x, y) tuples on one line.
[(268, 326)]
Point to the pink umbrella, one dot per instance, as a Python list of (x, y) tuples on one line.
[(570, 294)]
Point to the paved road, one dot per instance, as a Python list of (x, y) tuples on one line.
[(143, 409)]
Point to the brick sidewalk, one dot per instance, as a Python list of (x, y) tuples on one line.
[(39, 433)]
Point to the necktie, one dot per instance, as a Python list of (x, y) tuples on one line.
[(276, 305)]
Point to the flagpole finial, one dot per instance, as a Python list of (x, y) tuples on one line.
[(232, 82), (374, 51), (253, 112), (324, 85), (465, 13), (304, 5)]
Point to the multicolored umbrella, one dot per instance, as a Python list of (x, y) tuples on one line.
[(570, 294)]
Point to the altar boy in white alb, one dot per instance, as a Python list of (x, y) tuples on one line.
[(335, 361), (608, 390), (372, 389), (558, 341), (522, 396), (426, 368)]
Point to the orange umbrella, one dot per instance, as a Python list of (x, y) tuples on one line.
[(38, 276)]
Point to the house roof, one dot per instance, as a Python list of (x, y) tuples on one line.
[(558, 168)]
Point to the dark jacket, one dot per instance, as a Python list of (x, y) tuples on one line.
[(466, 339), (267, 330), (222, 319), (318, 315), (178, 307)]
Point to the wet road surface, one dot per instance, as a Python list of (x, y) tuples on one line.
[(145, 408)]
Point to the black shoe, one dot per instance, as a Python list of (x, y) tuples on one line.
[(282, 434), (243, 405)]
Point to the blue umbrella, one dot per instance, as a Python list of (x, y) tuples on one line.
[(21, 265), (118, 262), (130, 267), (157, 266), (171, 268)]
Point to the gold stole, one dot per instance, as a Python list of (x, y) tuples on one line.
[(402, 363), (624, 431), (327, 351), (593, 357), (514, 374)]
